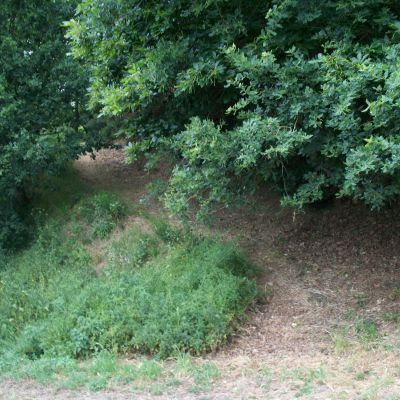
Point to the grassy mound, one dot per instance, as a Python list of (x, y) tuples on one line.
[(159, 293)]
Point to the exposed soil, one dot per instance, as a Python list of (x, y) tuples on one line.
[(322, 271)]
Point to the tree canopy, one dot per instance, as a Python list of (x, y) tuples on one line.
[(298, 95), (41, 97), (44, 120)]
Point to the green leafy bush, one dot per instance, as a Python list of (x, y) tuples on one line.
[(152, 297), (301, 95), (41, 105), (44, 122)]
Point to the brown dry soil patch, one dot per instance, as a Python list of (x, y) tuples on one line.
[(322, 272)]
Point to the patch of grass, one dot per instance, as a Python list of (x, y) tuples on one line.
[(392, 317), (126, 374), (162, 293), (97, 373), (132, 250), (166, 232), (372, 392), (341, 341), (102, 212), (395, 293), (73, 380), (350, 314), (152, 297), (157, 389), (307, 378), (135, 389), (263, 378), (43, 370), (103, 370), (103, 364), (184, 363), (150, 370), (39, 283), (361, 376), (203, 374), (97, 383), (172, 381), (361, 330), (367, 331)]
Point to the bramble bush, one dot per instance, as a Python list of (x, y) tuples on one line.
[(292, 94)]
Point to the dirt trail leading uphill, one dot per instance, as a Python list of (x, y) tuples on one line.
[(328, 274)]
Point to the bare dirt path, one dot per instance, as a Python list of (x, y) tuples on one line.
[(328, 273)]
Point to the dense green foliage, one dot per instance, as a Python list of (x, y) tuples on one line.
[(295, 95), (300, 95), (42, 100), (156, 293)]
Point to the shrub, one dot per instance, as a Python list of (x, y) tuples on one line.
[(300, 95), (42, 93)]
